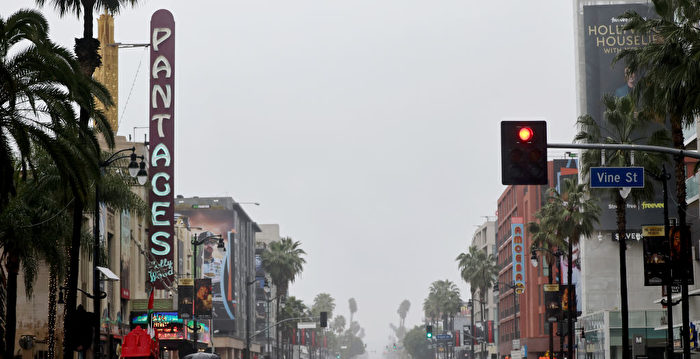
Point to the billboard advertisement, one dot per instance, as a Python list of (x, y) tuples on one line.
[(162, 140), (552, 302), (214, 216), (125, 246), (518, 247), (603, 38)]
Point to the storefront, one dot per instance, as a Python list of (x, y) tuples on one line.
[(599, 335), (173, 335)]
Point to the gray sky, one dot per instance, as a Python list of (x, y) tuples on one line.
[(368, 129)]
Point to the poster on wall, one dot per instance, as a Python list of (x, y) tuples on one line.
[(162, 146)]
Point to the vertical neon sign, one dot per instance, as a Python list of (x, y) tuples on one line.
[(518, 245), (162, 139)]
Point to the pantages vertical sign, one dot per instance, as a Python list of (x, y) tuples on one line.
[(162, 139)]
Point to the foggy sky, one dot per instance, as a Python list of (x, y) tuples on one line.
[(368, 129)]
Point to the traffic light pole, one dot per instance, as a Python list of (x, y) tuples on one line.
[(685, 328)]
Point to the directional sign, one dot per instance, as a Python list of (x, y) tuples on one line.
[(617, 177), (443, 336)]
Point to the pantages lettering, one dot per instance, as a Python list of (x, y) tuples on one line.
[(162, 80)]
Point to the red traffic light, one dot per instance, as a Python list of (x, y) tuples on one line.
[(525, 134)]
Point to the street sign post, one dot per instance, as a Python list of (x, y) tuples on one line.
[(617, 177), (443, 336), (306, 325)]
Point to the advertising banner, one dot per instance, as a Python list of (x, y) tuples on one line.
[(215, 217), (603, 38), (125, 246), (656, 254), (682, 265), (185, 298), (203, 298), (552, 302), (162, 140), (564, 294), (518, 246)]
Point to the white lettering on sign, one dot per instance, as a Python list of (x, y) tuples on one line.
[(161, 171)]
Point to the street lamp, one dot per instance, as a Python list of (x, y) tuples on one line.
[(142, 176), (533, 259), (196, 242)]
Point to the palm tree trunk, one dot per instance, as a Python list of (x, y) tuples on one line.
[(621, 233), (53, 284), (12, 266), (72, 291), (677, 136)]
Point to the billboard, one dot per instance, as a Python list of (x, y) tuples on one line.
[(162, 141), (603, 38), (125, 246), (518, 247), (215, 216)]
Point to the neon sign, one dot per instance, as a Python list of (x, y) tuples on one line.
[(162, 138)]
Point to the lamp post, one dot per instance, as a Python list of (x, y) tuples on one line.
[(533, 259), (196, 242), (247, 318), (137, 171), (266, 288)]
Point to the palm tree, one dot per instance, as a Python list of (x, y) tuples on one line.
[(284, 261), (442, 302), (40, 84), (669, 87), (404, 307), (36, 227), (578, 215), (352, 303), (478, 269), (338, 324), (622, 126), (323, 302)]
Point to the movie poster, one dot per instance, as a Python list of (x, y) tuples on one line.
[(656, 255), (185, 298), (203, 297)]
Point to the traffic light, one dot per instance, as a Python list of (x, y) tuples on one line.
[(428, 331), (523, 152), (324, 319)]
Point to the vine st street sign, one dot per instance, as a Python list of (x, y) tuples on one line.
[(617, 177)]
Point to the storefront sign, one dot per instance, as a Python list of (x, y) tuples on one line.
[(162, 135)]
